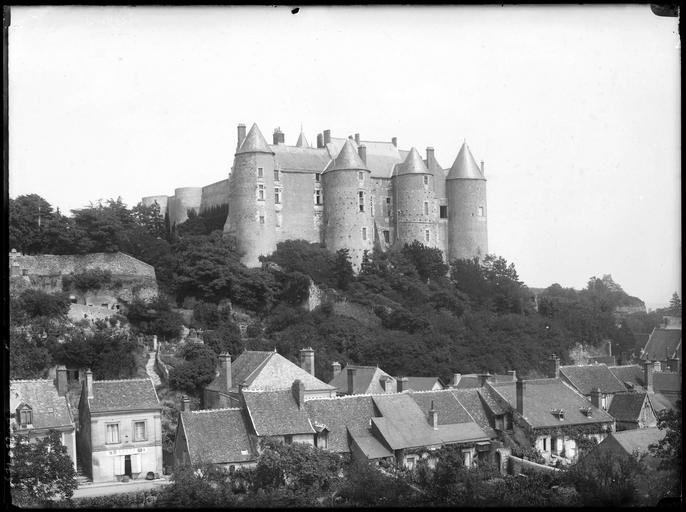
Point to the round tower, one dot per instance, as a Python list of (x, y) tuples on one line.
[(467, 212), (251, 219), (415, 202), (348, 222), (184, 199)]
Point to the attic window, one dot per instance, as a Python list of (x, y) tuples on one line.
[(558, 413), (25, 416), (587, 411)]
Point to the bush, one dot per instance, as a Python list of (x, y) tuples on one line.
[(36, 303), (90, 280)]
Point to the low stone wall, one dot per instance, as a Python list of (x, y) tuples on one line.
[(517, 465), (78, 312), (161, 367)]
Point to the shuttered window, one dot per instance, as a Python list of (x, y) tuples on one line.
[(139, 431), (118, 465), (113, 433), (136, 463)]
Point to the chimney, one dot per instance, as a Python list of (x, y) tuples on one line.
[(357, 139), (61, 380), (89, 383), (456, 379), (279, 137), (484, 378), (402, 384), (394, 140), (298, 390), (429, 156), (482, 167), (608, 347), (554, 367), (362, 151), (225, 371), (351, 380), (336, 367), (520, 386), (320, 140), (307, 360), (384, 383), (595, 397), (512, 374), (673, 364), (433, 416), (185, 403), (648, 369), (15, 271), (241, 135), (327, 136)]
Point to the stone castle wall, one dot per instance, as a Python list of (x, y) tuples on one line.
[(216, 194)]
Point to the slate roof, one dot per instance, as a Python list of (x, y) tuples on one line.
[(217, 436), (461, 433), (464, 166), (367, 380), (666, 382), (267, 370), (275, 413), (449, 409), (293, 158), (254, 142), (473, 403), (469, 381), (638, 439), (542, 396), (662, 344), (123, 395), (302, 140), (627, 406), (413, 164), (404, 424), (370, 445), (381, 156), (589, 376), (49, 410), (422, 383), (608, 360), (347, 158), (348, 413)]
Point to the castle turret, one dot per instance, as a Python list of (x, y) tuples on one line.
[(467, 213), (302, 140), (348, 221), (251, 218), (415, 202)]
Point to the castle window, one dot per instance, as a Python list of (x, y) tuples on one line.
[(481, 211), (388, 207), (277, 196), (112, 430), (426, 180), (387, 236), (360, 196), (260, 172), (427, 235), (364, 233), (317, 177), (426, 208), (360, 175), (278, 220), (318, 197), (276, 175), (261, 219), (260, 192), (444, 212)]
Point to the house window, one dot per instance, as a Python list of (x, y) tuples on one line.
[(360, 197), (427, 235), (26, 417), (277, 196), (112, 433), (261, 219), (364, 233), (260, 172), (276, 175), (444, 212), (545, 444), (260, 192), (288, 439), (387, 236), (317, 177), (388, 207), (481, 211), (360, 176), (426, 207), (318, 197), (139, 431), (410, 462), (426, 180), (467, 457), (603, 402)]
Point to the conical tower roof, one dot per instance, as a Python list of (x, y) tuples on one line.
[(465, 167), (254, 142), (413, 164), (302, 140), (347, 159)]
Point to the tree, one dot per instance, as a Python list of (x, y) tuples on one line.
[(203, 485), (343, 269), (150, 219), (32, 303), (28, 356), (225, 338), (668, 449), (427, 260), (197, 370), (28, 216), (40, 470), (675, 305)]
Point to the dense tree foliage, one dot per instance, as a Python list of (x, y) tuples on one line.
[(155, 317), (197, 369)]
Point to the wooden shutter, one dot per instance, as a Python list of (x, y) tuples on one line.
[(136, 463), (118, 465)]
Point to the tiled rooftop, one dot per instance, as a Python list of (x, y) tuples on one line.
[(217, 436), (627, 406), (662, 344), (123, 395), (589, 376), (276, 413), (49, 410)]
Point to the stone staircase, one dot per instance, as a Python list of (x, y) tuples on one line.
[(150, 369), (81, 476)]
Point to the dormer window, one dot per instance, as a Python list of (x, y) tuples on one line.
[(24, 415), (559, 414)]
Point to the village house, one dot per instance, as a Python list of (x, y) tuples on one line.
[(371, 380), (261, 370), (477, 380), (664, 346), (588, 378), (632, 410), (37, 407), (551, 417), (120, 429), (629, 443), (423, 383), (664, 388)]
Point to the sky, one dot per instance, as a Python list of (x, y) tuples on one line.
[(575, 111)]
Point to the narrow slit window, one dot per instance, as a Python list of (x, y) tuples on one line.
[(260, 193), (444, 212), (260, 172), (277, 196), (387, 236), (427, 235), (318, 197), (481, 211), (276, 175), (360, 175), (364, 233), (317, 177), (360, 196), (426, 180), (261, 219), (426, 208)]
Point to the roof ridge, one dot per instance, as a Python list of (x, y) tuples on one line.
[(215, 410), (32, 380), (148, 379)]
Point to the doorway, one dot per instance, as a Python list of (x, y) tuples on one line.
[(127, 465)]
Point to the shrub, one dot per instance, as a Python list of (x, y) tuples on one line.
[(93, 279)]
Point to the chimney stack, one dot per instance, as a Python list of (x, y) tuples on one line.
[(327, 136), (279, 137), (61, 380), (185, 403), (357, 139), (484, 378), (673, 364), (433, 416), (608, 347), (89, 383), (225, 371), (520, 386), (351, 380), (320, 140), (394, 140), (513, 374), (482, 167), (298, 390), (429, 156), (402, 384), (307, 360), (336, 367), (648, 369), (362, 151), (241, 136), (554, 367), (595, 397), (456, 379)]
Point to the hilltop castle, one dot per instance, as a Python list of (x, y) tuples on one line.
[(343, 193)]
